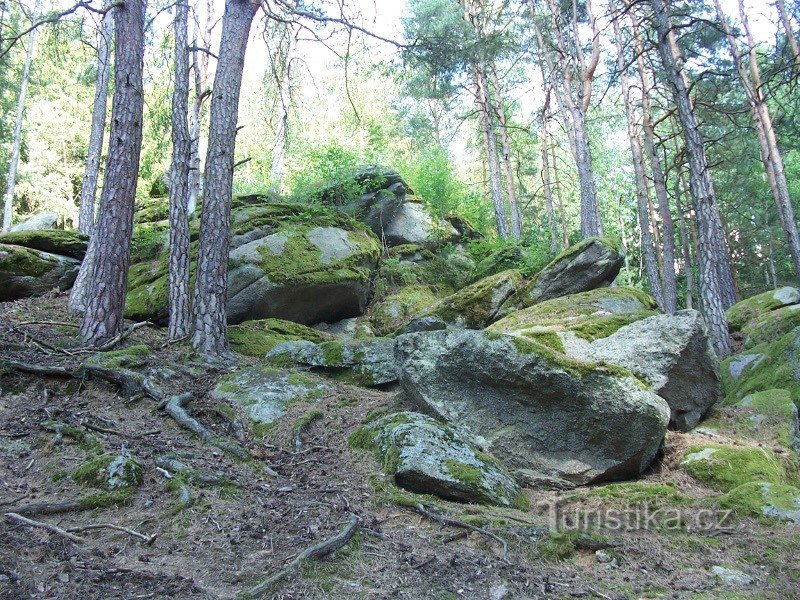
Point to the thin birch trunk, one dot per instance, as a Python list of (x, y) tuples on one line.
[(285, 81), (548, 191), (686, 243), (11, 181), (511, 188), (95, 151)]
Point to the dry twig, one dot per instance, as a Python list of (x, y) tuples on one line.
[(17, 518), (456, 523)]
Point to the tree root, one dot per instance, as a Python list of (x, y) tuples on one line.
[(147, 540), (456, 523), (315, 552), (174, 408), (17, 518), (51, 508)]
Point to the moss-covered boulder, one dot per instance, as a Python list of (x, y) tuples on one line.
[(674, 355), (27, 272), (109, 473), (256, 338), (428, 457), (361, 362), (545, 415), (477, 305), (54, 241), (151, 210), (590, 315), (264, 392), (396, 309), (770, 365), (765, 500), (765, 317), (724, 468), (590, 264), (289, 261), (44, 220), (770, 417), (444, 270)]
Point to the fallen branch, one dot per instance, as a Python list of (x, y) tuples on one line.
[(146, 539), (315, 552), (17, 518), (456, 523)]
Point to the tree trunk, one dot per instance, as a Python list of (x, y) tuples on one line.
[(770, 152), (712, 255), (210, 335), (95, 152), (559, 197), (642, 196), (670, 288), (179, 316), (787, 29), (103, 318), (194, 135), (511, 188), (548, 191), (590, 210), (11, 181), (284, 85), (686, 243)]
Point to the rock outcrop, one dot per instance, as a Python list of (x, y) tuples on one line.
[(765, 317), (45, 220), (72, 244), (27, 272), (548, 417)]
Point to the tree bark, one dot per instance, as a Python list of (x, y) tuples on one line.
[(686, 243), (771, 156), (210, 336), (505, 140), (284, 85), (103, 318), (642, 196), (787, 29), (200, 71), (548, 191), (712, 256), (670, 287), (11, 181), (95, 151), (179, 315)]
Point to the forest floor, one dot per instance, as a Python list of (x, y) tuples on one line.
[(247, 526)]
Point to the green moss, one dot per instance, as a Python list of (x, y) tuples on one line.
[(779, 368), (754, 497), (521, 502), (260, 430), (727, 467), (132, 356), (25, 262), (469, 474), (256, 338), (56, 241), (394, 310), (640, 492), (332, 353), (107, 498), (83, 438), (109, 473), (545, 337), (742, 313), (771, 326), (362, 438), (307, 419), (477, 304), (558, 545)]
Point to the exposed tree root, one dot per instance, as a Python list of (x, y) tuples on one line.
[(456, 523), (51, 508), (315, 552), (17, 518), (147, 540), (174, 408)]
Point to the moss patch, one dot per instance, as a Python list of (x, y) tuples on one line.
[(764, 500), (133, 356), (727, 467), (109, 473), (476, 305), (24, 262), (742, 313), (55, 241), (256, 338), (641, 493), (398, 308)]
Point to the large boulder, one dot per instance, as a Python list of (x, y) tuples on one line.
[(27, 272), (674, 355), (380, 198), (428, 457), (287, 261), (361, 362), (55, 241), (765, 317), (256, 338), (45, 220), (590, 264), (549, 417), (396, 309), (589, 316), (445, 270)]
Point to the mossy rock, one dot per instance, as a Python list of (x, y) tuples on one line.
[(445, 270), (744, 312), (296, 262), (134, 356), (641, 493), (152, 209), (724, 468), (27, 272), (590, 264), (109, 473), (257, 338), (770, 365), (429, 457), (589, 315), (54, 241), (764, 499), (264, 392), (771, 326), (396, 309), (477, 305), (767, 417)]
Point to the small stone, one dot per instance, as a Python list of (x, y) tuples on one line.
[(731, 577)]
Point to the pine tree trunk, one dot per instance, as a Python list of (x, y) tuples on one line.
[(686, 244), (210, 336), (95, 152), (642, 195), (284, 103), (712, 254), (548, 191), (590, 211), (11, 181), (787, 29), (103, 318), (559, 197), (511, 188), (194, 135), (670, 288), (179, 315)]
